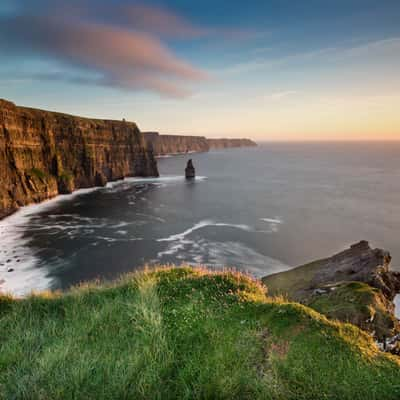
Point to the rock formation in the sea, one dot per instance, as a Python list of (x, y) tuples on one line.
[(355, 285), (229, 143), (190, 172), (45, 153), (178, 144)]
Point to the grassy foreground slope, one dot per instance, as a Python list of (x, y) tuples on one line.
[(183, 333)]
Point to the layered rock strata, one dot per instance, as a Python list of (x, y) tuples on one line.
[(175, 144), (230, 143), (43, 154), (178, 144)]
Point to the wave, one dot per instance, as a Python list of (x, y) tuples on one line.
[(221, 255), (21, 271), (274, 220), (200, 225)]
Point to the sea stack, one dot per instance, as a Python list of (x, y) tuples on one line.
[(190, 172)]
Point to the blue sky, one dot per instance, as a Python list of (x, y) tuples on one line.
[(271, 70)]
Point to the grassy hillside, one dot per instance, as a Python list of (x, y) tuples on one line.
[(360, 304), (293, 281), (348, 301), (184, 334)]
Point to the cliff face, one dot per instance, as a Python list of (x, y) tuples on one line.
[(174, 144), (228, 143), (43, 154)]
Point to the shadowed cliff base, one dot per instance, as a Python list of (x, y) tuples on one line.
[(43, 154)]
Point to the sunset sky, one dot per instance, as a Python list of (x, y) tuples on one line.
[(269, 70)]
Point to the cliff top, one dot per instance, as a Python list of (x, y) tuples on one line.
[(355, 285), (231, 139), (161, 333), (46, 113), (358, 263), (6, 103), (173, 136)]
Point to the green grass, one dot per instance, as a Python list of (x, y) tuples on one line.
[(291, 283), (38, 173), (360, 304), (184, 334), (66, 176)]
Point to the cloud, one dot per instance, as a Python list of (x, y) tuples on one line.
[(279, 95), (139, 16), (373, 51), (118, 57), (160, 21), (270, 62), (120, 44)]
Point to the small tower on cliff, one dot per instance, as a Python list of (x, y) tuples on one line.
[(190, 172)]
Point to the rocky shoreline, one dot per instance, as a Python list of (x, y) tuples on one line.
[(355, 285)]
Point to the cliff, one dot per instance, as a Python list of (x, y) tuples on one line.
[(43, 154), (355, 285), (175, 144), (228, 143)]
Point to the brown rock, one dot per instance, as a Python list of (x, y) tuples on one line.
[(100, 179), (355, 285), (180, 144), (175, 144), (45, 153), (230, 143)]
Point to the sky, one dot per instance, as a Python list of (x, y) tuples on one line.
[(264, 69)]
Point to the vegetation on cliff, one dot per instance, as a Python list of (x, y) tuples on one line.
[(355, 285), (184, 333)]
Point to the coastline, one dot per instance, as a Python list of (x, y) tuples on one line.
[(9, 213), (25, 276), (59, 196)]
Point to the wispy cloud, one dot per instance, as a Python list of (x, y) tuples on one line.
[(278, 95), (159, 21), (131, 57), (155, 20), (269, 62), (390, 46)]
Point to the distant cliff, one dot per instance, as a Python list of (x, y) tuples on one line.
[(43, 154), (228, 143), (175, 144)]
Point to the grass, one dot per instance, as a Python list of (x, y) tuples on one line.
[(183, 333), (38, 173), (66, 176), (292, 282), (358, 303)]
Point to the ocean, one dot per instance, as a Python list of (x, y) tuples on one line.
[(261, 210)]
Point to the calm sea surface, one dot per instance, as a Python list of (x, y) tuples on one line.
[(261, 210)]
